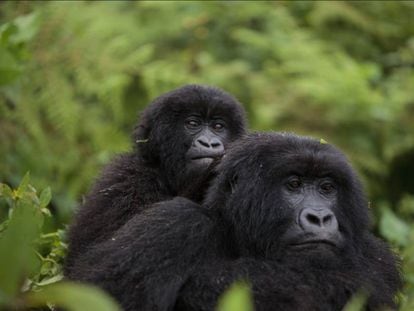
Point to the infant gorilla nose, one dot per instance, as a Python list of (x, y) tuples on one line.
[(206, 148), (209, 144)]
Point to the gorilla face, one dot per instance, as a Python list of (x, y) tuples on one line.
[(185, 130), (304, 196), (312, 202), (209, 137), (204, 139)]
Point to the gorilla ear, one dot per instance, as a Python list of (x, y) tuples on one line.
[(141, 134), (142, 130)]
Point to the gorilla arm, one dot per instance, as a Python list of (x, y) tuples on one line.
[(294, 285), (124, 189), (177, 256), (274, 286), (196, 190), (149, 259)]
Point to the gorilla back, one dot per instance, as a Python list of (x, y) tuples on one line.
[(178, 138), (285, 212)]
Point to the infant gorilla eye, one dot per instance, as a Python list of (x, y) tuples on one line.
[(294, 184), (218, 126), (192, 123), (327, 187)]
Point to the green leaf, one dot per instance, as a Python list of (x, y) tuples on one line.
[(6, 31), (10, 70), (237, 298), (323, 141), (72, 297), (24, 184), (28, 26), (393, 228), (18, 258), (356, 303), (45, 197), (46, 212), (5, 191), (51, 280)]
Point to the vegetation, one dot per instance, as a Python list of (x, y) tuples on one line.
[(73, 76)]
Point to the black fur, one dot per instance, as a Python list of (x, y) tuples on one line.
[(179, 255), (155, 170)]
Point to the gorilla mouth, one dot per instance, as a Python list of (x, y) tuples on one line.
[(206, 159), (203, 157), (314, 243)]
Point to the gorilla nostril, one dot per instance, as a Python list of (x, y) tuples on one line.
[(216, 143), (313, 219), (327, 220), (217, 146), (203, 143)]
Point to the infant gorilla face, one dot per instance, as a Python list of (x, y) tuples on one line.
[(186, 130), (209, 135)]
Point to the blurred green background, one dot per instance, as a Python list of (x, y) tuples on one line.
[(74, 75)]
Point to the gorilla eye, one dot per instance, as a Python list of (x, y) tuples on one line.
[(218, 126), (327, 187), (192, 123), (294, 184)]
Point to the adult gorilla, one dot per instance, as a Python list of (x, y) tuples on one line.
[(285, 212), (177, 138)]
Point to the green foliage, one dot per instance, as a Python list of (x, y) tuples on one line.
[(71, 296), (74, 74), (19, 231), (393, 228), (357, 303), (237, 298), (13, 52), (31, 260)]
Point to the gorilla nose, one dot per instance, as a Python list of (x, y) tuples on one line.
[(214, 144), (318, 221)]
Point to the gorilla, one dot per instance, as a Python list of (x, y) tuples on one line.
[(179, 137), (286, 213)]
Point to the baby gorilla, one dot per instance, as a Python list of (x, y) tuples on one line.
[(286, 213), (178, 137)]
